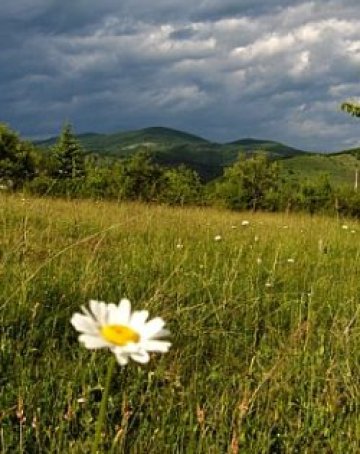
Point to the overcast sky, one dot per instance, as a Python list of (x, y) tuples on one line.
[(222, 69)]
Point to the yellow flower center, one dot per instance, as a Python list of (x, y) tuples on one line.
[(119, 334)]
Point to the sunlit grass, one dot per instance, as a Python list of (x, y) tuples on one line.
[(265, 354)]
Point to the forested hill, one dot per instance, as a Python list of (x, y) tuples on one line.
[(172, 147)]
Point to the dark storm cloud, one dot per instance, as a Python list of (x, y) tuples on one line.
[(223, 69)]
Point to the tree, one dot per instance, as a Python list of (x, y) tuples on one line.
[(315, 195), (181, 186), (69, 155), (250, 182), (140, 178), (17, 158)]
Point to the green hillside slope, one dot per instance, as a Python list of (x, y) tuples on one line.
[(172, 147), (276, 149), (340, 167)]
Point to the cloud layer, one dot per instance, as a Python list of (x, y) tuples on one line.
[(222, 69)]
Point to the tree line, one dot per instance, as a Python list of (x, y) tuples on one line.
[(253, 182)]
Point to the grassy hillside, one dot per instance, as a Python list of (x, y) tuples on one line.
[(275, 149), (264, 322), (339, 167)]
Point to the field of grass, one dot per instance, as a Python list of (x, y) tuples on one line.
[(265, 329)]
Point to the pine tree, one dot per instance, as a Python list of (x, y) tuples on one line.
[(69, 155)]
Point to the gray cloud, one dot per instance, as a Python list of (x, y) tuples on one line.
[(222, 69)]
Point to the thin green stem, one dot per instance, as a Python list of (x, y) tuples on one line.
[(103, 405)]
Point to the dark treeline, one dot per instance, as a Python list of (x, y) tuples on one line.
[(255, 182)]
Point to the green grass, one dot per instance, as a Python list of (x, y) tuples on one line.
[(340, 168), (265, 355)]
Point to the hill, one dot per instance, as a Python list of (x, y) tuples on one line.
[(276, 149), (172, 147), (340, 167)]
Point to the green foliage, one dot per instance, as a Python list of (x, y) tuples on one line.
[(17, 158), (140, 178), (182, 186), (351, 108), (69, 155), (348, 202), (250, 182), (315, 196)]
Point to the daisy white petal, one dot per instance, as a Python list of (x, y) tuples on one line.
[(127, 349), (152, 327), (121, 358), (84, 324), (156, 346), (140, 357), (93, 341), (99, 309), (138, 319), (113, 310), (87, 313), (162, 333), (123, 312)]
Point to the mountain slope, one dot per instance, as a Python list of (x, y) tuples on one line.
[(275, 148), (172, 147)]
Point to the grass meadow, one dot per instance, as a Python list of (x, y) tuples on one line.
[(265, 329)]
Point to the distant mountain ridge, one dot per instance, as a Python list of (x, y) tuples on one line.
[(172, 147)]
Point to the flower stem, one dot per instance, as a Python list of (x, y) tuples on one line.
[(103, 405)]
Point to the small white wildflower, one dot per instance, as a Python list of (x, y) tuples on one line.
[(126, 334), (217, 238), (268, 284), (256, 238), (291, 260), (245, 222), (345, 227), (81, 400), (353, 231), (259, 260), (179, 246)]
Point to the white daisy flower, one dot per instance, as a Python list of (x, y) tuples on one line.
[(127, 334), (217, 238)]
